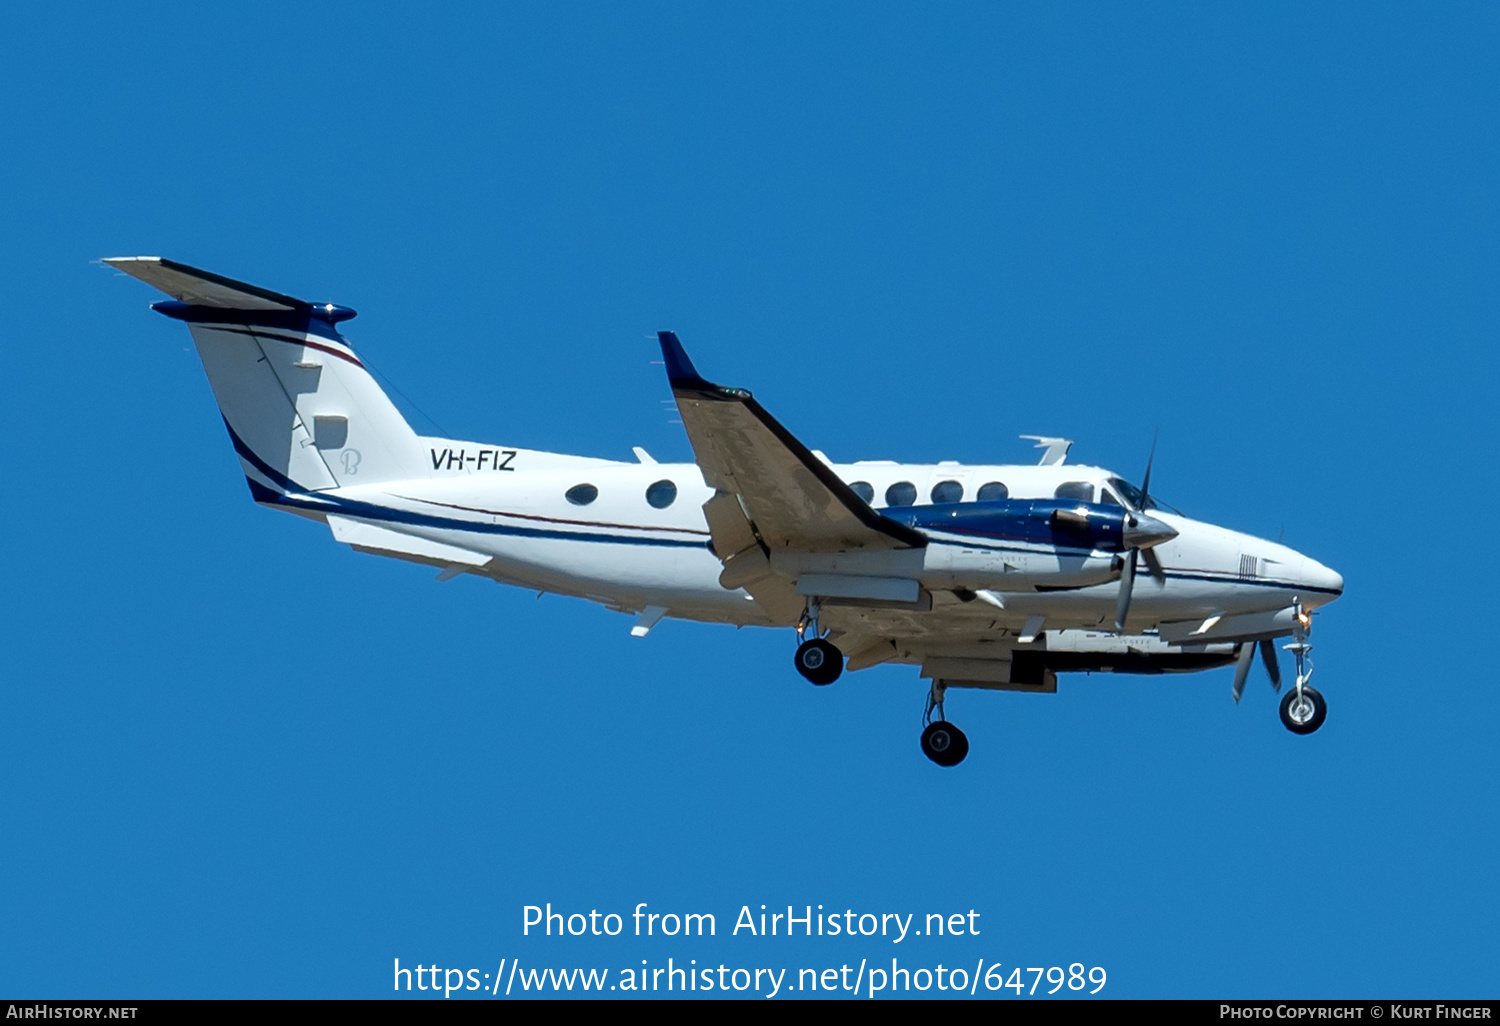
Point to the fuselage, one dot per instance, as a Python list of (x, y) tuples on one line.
[(633, 535)]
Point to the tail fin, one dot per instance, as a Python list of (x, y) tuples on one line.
[(303, 412)]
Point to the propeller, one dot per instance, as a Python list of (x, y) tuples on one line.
[(1273, 668), (1141, 533), (1247, 656)]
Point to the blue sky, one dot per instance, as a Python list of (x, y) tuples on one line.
[(241, 760)]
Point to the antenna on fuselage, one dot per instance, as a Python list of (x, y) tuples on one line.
[(1057, 449)]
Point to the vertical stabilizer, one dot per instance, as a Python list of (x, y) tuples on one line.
[(302, 410)]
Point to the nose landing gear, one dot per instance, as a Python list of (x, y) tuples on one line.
[(942, 742), (1303, 709)]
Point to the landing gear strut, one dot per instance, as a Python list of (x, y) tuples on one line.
[(817, 659), (1303, 709), (942, 742)]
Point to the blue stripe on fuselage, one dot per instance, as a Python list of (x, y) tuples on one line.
[(295, 496), (371, 511), (1021, 520), (945, 517)]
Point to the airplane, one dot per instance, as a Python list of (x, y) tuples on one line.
[(985, 577)]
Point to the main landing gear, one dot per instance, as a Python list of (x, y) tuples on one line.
[(942, 742), (817, 659), (1303, 709), (820, 662)]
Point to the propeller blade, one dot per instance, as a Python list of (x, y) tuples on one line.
[(1141, 532), (1273, 668), (1153, 566), (1127, 585), (1146, 479), (1242, 668)]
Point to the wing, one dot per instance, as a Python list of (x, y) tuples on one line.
[(789, 497), (771, 494), (949, 639)]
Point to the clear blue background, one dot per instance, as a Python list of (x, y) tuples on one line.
[(240, 760)]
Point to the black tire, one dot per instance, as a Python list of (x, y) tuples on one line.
[(944, 743), (1306, 718), (819, 661)]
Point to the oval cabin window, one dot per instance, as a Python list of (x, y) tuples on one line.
[(581, 495), (902, 493), (662, 494), (994, 491), (863, 490), (947, 491)]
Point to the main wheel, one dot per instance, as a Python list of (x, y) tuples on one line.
[(944, 743), (819, 661), (1304, 715)]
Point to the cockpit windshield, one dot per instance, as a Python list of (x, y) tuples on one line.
[(1131, 494)]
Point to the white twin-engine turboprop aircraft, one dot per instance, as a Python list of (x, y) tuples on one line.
[(996, 577)]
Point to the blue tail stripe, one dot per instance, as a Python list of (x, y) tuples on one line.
[(275, 476)]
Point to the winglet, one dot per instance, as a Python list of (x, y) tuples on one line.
[(680, 370)]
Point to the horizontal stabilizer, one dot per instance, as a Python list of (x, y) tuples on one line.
[(381, 540), (203, 288)]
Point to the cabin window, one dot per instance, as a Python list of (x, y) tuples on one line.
[(662, 494), (582, 494), (994, 491), (902, 493), (947, 491), (863, 490), (1083, 491)]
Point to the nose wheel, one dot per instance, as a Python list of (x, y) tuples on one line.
[(1303, 710)]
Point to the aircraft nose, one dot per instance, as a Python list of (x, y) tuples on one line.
[(1316, 575)]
